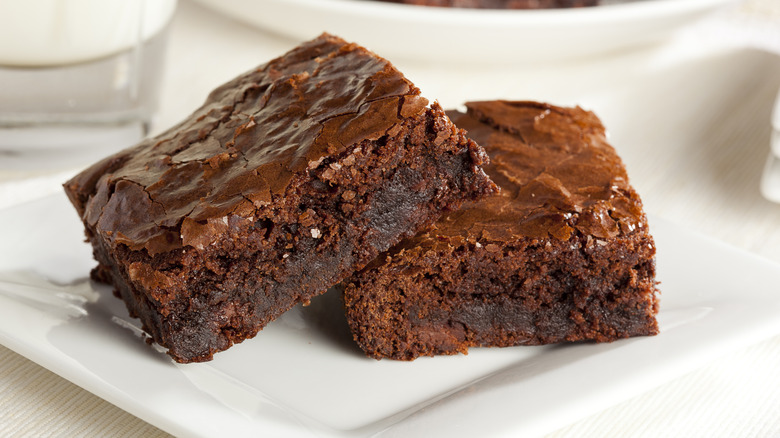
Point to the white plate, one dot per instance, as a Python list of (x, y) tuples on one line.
[(465, 36), (302, 376)]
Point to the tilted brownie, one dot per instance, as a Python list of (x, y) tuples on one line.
[(289, 178), (563, 254), (501, 4)]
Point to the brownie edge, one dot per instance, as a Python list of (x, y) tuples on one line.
[(563, 254), (289, 178)]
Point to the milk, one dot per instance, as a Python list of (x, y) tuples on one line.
[(77, 73), (36, 33)]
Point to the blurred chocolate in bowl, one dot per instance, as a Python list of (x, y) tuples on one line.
[(500, 4)]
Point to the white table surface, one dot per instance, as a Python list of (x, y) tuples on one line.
[(690, 117)]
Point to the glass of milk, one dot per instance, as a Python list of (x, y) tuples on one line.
[(79, 73)]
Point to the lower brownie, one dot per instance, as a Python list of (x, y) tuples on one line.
[(287, 180), (563, 254), (501, 4)]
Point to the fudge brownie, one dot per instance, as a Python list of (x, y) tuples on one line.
[(501, 4), (288, 179), (562, 254)]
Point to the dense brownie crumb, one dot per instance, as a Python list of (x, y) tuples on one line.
[(563, 254), (501, 4), (289, 178)]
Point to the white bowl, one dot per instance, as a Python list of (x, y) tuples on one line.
[(472, 35)]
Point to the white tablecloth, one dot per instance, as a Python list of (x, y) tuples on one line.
[(690, 118)]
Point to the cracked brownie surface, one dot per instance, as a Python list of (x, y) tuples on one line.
[(284, 182), (562, 254)]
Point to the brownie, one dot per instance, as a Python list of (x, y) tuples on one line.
[(501, 4), (562, 254), (288, 179)]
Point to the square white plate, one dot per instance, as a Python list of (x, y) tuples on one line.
[(302, 376)]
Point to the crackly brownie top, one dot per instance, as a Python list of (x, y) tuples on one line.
[(556, 171), (245, 144)]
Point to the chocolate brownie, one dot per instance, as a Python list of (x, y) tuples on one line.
[(288, 179), (563, 254), (501, 4)]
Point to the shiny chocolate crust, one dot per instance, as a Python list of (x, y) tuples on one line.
[(285, 181), (558, 176), (241, 150), (562, 254)]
